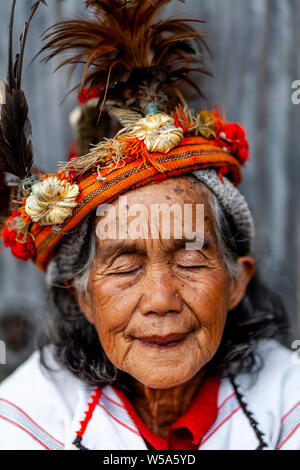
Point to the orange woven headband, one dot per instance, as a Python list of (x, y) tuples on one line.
[(194, 153), (58, 203)]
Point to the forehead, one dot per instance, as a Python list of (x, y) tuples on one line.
[(181, 190), (180, 201)]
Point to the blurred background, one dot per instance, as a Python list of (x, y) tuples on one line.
[(256, 49)]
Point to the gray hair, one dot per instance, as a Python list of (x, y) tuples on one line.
[(74, 258)]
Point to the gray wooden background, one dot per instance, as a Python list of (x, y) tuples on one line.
[(256, 47)]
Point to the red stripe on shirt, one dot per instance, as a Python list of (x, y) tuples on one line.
[(288, 437), (289, 412), (25, 430), (220, 425), (30, 419), (113, 401), (117, 420)]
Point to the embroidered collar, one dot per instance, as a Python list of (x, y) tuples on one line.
[(186, 433), (188, 430)]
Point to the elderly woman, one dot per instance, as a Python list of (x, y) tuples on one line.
[(153, 340)]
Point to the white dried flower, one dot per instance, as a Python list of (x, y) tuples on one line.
[(52, 201), (159, 132)]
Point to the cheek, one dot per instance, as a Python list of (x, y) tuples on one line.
[(113, 307), (208, 300), (113, 302)]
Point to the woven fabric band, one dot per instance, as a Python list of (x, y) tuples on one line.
[(193, 154)]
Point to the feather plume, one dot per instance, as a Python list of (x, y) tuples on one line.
[(127, 48), (16, 154), (4, 197)]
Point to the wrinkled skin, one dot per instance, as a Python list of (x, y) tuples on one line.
[(155, 287)]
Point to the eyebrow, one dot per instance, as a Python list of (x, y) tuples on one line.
[(115, 249)]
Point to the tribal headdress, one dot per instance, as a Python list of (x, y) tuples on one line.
[(133, 61)]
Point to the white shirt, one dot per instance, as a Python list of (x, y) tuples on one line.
[(41, 409)]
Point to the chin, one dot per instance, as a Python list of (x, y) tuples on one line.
[(164, 379)]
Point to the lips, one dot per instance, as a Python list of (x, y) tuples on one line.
[(167, 340)]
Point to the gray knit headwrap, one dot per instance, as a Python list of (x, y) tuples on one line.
[(232, 201)]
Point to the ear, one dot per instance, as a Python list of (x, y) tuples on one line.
[(84, 301), (238, 286)]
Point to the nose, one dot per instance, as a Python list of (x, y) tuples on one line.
[(160, 297)]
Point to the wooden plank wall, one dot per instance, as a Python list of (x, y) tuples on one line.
[(256, 47)]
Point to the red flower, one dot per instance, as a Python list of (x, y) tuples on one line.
[(14, 214), (236, 141), (73, 150), (22, 250), (71, 175), (8, 236), (88, 93)]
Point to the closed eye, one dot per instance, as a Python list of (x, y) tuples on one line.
[(191, 267), (125, 264), (126, 271)]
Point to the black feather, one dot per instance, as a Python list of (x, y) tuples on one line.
[(16, 154), (15, 135)]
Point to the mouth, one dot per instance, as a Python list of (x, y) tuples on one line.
[(163, 342)]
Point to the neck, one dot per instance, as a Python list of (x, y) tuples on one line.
[(159, 408)]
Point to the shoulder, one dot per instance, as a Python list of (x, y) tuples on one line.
[(280, 371), (37, 405), (273, 394)]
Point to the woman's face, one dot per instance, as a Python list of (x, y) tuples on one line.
[(159, 308)]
